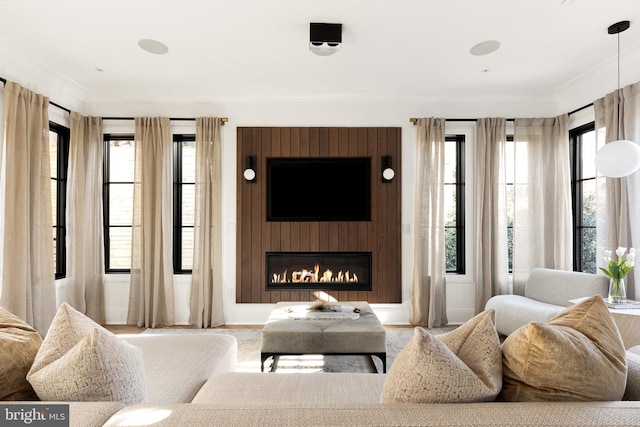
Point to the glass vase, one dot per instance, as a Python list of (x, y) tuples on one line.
[(617, 291)]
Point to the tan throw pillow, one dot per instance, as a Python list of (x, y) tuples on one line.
[(19, 344), (463, 365), (577, 355), (81, 361)]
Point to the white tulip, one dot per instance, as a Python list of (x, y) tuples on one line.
[(632, 251), (620, 251), (631, 256), (607, 253)]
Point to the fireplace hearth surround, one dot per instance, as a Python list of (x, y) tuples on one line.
[(262, 238)]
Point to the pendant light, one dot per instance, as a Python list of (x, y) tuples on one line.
[(621, 157)]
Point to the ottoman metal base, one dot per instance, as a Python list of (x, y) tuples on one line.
[(372, 364)]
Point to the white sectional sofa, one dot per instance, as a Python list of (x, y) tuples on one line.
[(269, 399), (191, 381)]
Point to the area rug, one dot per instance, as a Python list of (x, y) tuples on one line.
[(249, 351)]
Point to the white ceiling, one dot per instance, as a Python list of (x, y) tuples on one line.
[(245, 49)]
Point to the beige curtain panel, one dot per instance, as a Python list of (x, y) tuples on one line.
[(618, 199), (151, 301), (428, 297), (206, 280), (85, 242), (491, 268), (27, 263), (542, 228)]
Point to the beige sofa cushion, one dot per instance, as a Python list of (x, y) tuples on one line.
[(19, 344), (463, 365), (632, 391), (279, 389), (577, 355), (505, 414), (81, 361)]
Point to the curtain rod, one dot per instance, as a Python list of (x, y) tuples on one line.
[(414, 120), (222, 119), (177, 119)]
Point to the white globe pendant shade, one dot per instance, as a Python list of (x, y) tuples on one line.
[(618, 158)]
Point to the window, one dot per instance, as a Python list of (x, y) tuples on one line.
[(119, 167), (454, 204), (59, 159), (510, 179), (184, 178), (583, 171), (118, 201)]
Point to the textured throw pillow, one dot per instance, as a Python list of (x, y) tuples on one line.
[(463, 365), (19, 344), (81, 361), (577, 355)]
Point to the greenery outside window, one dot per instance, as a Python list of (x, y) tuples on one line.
[(583, 189)]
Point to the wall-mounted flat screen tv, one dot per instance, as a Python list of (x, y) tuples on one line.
[(319, 189)]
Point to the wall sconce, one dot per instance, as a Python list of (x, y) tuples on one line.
[(387, 171), (250, 169)]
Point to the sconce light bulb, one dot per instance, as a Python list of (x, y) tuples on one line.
[(249, 174), (388, 174)]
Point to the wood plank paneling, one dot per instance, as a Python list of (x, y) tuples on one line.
[(381, 236)]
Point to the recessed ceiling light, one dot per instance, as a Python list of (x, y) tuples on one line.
[(153, 46), (485, 48), (98, 69)]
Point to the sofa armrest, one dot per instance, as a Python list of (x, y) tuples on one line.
[(514, 311), (558, 286)]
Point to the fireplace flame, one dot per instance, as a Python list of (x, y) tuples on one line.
[(313, 276)]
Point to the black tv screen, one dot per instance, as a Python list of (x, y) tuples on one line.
[(319, 189)]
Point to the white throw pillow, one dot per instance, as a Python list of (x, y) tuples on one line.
[(81, 361)]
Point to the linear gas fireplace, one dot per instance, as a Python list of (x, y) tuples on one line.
[(325, 271)]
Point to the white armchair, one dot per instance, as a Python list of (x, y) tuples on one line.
[(546, 293)]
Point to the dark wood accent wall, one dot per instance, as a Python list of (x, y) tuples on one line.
[(381, 236)]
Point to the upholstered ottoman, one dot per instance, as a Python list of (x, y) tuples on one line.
[(287, 333)]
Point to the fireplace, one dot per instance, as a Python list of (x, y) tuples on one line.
[(323, 271)]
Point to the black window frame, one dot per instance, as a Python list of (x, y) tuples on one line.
[(178, 185), (107, 138), (577, 180), (460, 204), (62, 160), (511, 139)]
